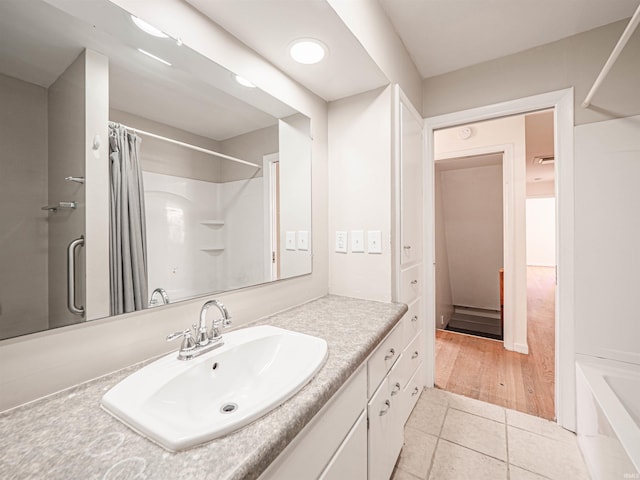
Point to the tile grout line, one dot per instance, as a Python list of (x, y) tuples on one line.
[(435, 449), (506, 438)]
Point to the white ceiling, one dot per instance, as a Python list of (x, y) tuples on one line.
[(440, 35), (270, 26)]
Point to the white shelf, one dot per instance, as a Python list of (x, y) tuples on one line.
[(212, 249), (212, 223)]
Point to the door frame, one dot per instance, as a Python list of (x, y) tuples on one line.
[(562, 103), (271, 244)]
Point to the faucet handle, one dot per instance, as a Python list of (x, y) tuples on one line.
[(188, 342)]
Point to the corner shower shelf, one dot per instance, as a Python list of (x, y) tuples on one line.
[(212, 249), (212, 223)]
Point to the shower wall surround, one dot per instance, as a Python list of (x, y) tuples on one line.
[(193, 245)]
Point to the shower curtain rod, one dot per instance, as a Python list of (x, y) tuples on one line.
[(188, 145), (633, 23)]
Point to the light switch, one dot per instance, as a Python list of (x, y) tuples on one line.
[(341, 242), (357, 241), (374, 241), (303, 240), (291, 240)]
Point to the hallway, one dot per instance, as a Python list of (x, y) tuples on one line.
[(481, 368)]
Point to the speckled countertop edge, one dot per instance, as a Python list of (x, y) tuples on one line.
[(68, 435)]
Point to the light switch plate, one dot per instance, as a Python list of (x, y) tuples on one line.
[(303, 240), (357, 241), (374, 241), (291, 240), (341, 242)]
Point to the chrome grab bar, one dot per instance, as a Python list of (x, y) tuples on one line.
[(71, 276)]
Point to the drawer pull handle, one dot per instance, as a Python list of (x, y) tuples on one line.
[(407, 247), (414, 318), (414, 282), (391, 353), (396, 389), (415, 355), (415, 391), (385, 410)]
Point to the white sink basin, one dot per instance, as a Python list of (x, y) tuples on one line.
[(179, 403)]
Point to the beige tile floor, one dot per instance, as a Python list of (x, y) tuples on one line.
[(449, 436)]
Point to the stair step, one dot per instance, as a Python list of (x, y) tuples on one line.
[(463, 317), (476, 325)]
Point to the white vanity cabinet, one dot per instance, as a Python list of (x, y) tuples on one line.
[(358, 435), (394, 394), (334, 444)]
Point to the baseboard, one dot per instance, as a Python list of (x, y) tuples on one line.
[(521, 348)]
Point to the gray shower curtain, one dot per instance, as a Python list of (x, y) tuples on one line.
[(128, 242)]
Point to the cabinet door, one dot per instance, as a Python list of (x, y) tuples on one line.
[(386, 431), (350, 461), (410, 186)]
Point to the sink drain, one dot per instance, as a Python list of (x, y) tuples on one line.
[(228, 408)]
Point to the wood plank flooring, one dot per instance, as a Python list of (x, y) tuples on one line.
[(481, 368)]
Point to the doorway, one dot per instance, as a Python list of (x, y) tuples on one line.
[(470, 231), (562, 103), (469, 244)]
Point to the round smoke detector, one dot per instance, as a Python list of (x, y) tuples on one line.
[(465, 133)]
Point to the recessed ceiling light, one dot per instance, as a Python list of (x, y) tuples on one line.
[(154, 57), (148, 28), (307, 51), (244, 82)]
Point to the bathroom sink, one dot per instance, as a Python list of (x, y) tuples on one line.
[(179, 404)]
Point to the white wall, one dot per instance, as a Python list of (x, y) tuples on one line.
[(23, 190), (295, 201), (607, 239), (360, 191), (541, 232), (64, 357), (169, 159), (444, 299), (242, 209), (250, 147), (370, 25), (67, 101), (473, 223)]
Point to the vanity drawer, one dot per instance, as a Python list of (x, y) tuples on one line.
[(411, 393), (413, 354), (410, 284), (384, 357), (413, 321)]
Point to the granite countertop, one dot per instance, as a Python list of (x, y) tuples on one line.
[(67, 435)]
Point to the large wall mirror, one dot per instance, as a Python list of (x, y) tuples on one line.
[(135, 172)]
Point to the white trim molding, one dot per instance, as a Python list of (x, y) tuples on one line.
[(562, 103)]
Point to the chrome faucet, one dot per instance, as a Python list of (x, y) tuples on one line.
[(205, 339), (163, 297)]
